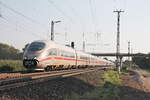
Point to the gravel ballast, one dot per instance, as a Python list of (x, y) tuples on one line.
[(55, 89)]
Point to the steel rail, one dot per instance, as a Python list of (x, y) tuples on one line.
[(6, 76), (31, 79)]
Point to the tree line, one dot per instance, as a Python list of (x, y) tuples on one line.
[(8, 52), (142, 60)]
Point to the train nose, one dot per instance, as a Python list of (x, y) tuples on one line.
[(30, 63)]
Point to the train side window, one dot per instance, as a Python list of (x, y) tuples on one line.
[(71, 55), (62, 53), (67, 54), (58, 52), (83, 57), (88, 58), (92, 59), (52, 52)]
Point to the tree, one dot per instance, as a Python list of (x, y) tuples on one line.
[(9, 52), (142, 60)]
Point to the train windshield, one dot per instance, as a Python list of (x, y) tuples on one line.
[(36, 46)]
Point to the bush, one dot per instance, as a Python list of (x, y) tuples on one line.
[(124, 68), (11, 65)]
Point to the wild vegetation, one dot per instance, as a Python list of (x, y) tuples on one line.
[(108, 89), (9, 52), (10, 58), (11, 65), (142, 61)]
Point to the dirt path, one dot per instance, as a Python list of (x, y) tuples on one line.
[(145, 80), (135, 86)]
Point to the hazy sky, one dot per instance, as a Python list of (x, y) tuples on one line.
[(24, 21)]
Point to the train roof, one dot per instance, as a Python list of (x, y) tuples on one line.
[(63, 47), (50, 43)]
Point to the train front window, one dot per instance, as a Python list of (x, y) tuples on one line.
[(36, 46)]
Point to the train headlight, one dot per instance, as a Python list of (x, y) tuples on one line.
[(30, 63)]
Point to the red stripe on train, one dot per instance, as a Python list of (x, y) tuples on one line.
[(69, 59), (48, 58)]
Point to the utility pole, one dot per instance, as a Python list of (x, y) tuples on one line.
[(118, 65), (83, 43), (128, 50), (52, 29), (0, 13), (129, 54)]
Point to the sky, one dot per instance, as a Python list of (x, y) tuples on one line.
[(23, 21)]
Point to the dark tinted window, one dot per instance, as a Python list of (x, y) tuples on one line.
[(36, 46)]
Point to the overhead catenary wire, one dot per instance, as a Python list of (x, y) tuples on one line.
[(75, 13), (92, 14), (59, 10), (65, 16), (20, 14), (94, 20), (79, 21), (119, 4), (20, 27)]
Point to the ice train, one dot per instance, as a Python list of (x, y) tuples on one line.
[(49, 55)]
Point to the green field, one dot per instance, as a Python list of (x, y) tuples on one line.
[(11, 65)]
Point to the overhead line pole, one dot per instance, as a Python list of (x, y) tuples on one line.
[(52, 29), (129, 49), (83, 43), (129, 54), (118, 60)]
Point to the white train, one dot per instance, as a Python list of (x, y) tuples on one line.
[(48, 55)]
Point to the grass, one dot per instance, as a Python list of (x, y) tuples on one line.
[(11, 65), (108, 89)]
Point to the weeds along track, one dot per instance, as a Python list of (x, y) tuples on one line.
[(33, 78)]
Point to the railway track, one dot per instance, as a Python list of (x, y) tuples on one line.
[(6, 76), (33, 78)]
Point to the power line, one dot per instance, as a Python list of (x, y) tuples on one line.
[(22, 15), (19, 13), (120, 3), (76, 14), (20, 27), (62, 12), (92, 14)]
